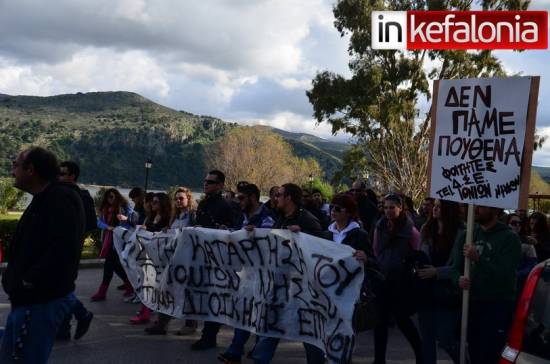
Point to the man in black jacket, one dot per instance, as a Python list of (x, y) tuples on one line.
[(294, 218), (213, 212), (69, 172), (44, 257)]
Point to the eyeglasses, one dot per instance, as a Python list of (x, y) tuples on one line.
[(337, 208), (210, 181)]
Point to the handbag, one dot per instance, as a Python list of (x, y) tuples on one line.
[(365, 314)]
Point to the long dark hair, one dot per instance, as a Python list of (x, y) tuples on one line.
[(540, 230), (165, 209), (523, 226), (401, 221), (118, 203), (451, 219)]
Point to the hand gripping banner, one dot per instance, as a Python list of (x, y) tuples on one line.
[(269, 282)]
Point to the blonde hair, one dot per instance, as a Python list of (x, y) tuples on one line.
[(190, 202)]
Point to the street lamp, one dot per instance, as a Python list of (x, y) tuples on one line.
[(310, 179), (148, 166)]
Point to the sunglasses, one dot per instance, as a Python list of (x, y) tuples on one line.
[(337, 208), (210, 181)]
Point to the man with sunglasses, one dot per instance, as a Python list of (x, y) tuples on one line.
[(213, 212)]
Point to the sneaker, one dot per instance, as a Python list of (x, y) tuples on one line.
[(203, 344), (184, 331), (229, 358), (83, 325)]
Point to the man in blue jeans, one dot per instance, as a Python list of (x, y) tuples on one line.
[(255, 215), (69, 172), (44, 256), (294, 218)]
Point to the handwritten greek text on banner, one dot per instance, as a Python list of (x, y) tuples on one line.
[(271, 282)]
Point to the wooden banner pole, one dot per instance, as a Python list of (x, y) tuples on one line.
[(466, 292)]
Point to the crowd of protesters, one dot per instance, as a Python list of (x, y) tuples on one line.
[(420, 255)]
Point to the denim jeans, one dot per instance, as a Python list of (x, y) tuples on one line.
[(240, 337), (488, 327), (439, 325), (30, 331), (79, 312), (266, 346)]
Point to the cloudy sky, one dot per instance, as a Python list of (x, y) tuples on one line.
[(248, 61)]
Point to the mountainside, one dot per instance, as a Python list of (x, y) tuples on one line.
[(544, 172), (112, 134)]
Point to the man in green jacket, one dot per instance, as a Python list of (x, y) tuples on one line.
[(495, 255)]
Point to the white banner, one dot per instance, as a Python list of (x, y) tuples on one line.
[(478, 144), (271, 282)]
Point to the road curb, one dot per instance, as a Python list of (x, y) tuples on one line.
[(84, 264)]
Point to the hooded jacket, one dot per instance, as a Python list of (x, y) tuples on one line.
[(46, 247), (493, 277)]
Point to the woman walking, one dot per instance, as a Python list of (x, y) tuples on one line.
[(160, 212), (439, 315), (395, 238), (183, 210), (113, 211)]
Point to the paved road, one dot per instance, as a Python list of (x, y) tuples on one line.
[(112, 339)]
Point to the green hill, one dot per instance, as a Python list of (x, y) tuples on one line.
[(111, 134)]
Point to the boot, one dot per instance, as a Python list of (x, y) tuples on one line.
[(101, 294), (143, 317)]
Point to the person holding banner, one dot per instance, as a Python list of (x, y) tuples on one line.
[(295, 219), (395, 238), (439, 315), (113, 211), (160, 207), (183, 215), (255, 215), (495, 256), (213, 212)]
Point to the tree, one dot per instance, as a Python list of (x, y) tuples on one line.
[(10, 197), (259, 156), (380, 103)]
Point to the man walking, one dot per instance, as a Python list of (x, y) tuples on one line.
[(44, 257), (495, 256), (69, 172), (213, 212), (294, 218), (255, 215)]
